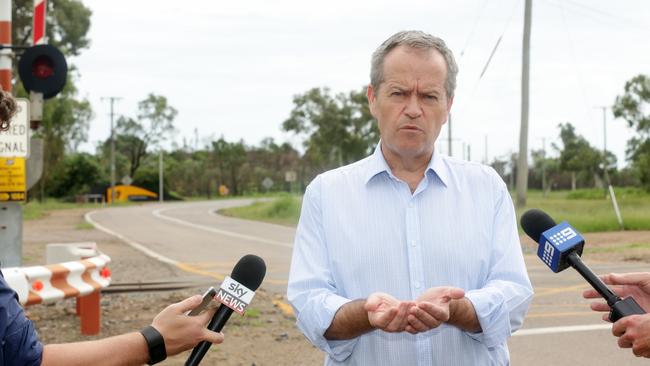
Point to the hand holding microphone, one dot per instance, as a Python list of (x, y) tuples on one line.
[(633, 331), (560, 246), (235, 294), (635, 284)]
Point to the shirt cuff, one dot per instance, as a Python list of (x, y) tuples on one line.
[(315, 324), (492, 314)]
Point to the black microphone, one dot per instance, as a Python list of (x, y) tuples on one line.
[(560, 246), (235, 294)]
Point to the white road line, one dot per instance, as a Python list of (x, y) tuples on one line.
[(130, 242), (566, 329), (158, 213)]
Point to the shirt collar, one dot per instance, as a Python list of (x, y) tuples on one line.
[(377, 164)]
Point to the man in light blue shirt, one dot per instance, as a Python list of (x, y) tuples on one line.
[(408, 257)]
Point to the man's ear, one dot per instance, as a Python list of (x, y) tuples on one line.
[(450, 101), (372, 100)]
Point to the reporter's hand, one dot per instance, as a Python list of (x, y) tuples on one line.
[(635, 284), (432, 308), (387, 313), (634, 332), (182, 332)]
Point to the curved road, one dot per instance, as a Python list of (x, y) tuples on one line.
[(196, 239), (559, 329)]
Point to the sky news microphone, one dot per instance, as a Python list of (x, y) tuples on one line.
[(235, 294), (560, 246)]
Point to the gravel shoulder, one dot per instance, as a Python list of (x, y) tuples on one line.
[(269, 337)]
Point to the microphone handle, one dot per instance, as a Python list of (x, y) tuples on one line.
[(216, 324), (595, 282)]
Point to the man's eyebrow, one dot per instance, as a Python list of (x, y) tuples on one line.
[(397, 85)]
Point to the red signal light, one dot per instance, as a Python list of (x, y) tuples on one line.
[(43, 67)]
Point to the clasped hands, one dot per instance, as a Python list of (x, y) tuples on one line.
[(427, 312)]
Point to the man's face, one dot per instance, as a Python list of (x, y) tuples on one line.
[(411, 104)]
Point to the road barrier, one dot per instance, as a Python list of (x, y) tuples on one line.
[(82, 279)]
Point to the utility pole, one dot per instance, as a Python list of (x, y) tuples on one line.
[(112, 101), (544, 166), (605, 144), (522, 162), (160, 176)]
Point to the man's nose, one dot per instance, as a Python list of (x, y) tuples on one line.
[(413, 109)]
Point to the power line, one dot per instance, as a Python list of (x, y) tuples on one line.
[(484, 69), (471, 32), (599, 16)]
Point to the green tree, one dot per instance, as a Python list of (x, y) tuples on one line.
[(77, 174), (134, 137), (68, 22), (229, 158), (634, 107), (191, 173), (577, 156), (273, 161), (338, 129), (545, 170)]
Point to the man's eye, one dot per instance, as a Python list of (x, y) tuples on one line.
[(396, 93)]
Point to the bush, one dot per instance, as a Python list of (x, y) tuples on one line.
[(76, 174)]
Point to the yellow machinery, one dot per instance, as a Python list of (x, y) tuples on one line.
[(130, 193)]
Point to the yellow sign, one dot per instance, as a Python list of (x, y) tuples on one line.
[(13, 179)]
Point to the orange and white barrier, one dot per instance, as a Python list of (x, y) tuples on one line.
[(53, 282), (82, 279)]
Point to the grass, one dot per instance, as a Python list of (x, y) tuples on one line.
[(586, 210), (590, 211), (84, 226), (252, 313), (617, 249), (284, 210), (34, 210)]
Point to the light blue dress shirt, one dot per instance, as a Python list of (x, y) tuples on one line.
[(361, 230)]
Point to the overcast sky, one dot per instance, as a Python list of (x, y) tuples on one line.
[(232, 68)]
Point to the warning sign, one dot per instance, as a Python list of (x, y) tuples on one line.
[(15, 140), (12, 179)]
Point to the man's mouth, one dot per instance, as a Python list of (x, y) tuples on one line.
[(410, 127)]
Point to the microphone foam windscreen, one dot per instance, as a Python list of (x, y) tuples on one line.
[(249, 271), (535, 222)]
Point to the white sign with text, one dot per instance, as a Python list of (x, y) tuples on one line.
[(14, 142)]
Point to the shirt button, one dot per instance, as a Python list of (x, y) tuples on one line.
[(413, 243), (411, 204), (416, 284)]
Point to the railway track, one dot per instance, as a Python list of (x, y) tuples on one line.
[(123, 287)]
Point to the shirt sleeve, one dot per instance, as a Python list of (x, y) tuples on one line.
[(311, 290), (20, 345), (502, 303)]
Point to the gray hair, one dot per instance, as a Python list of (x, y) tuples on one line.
[(413, 39)]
